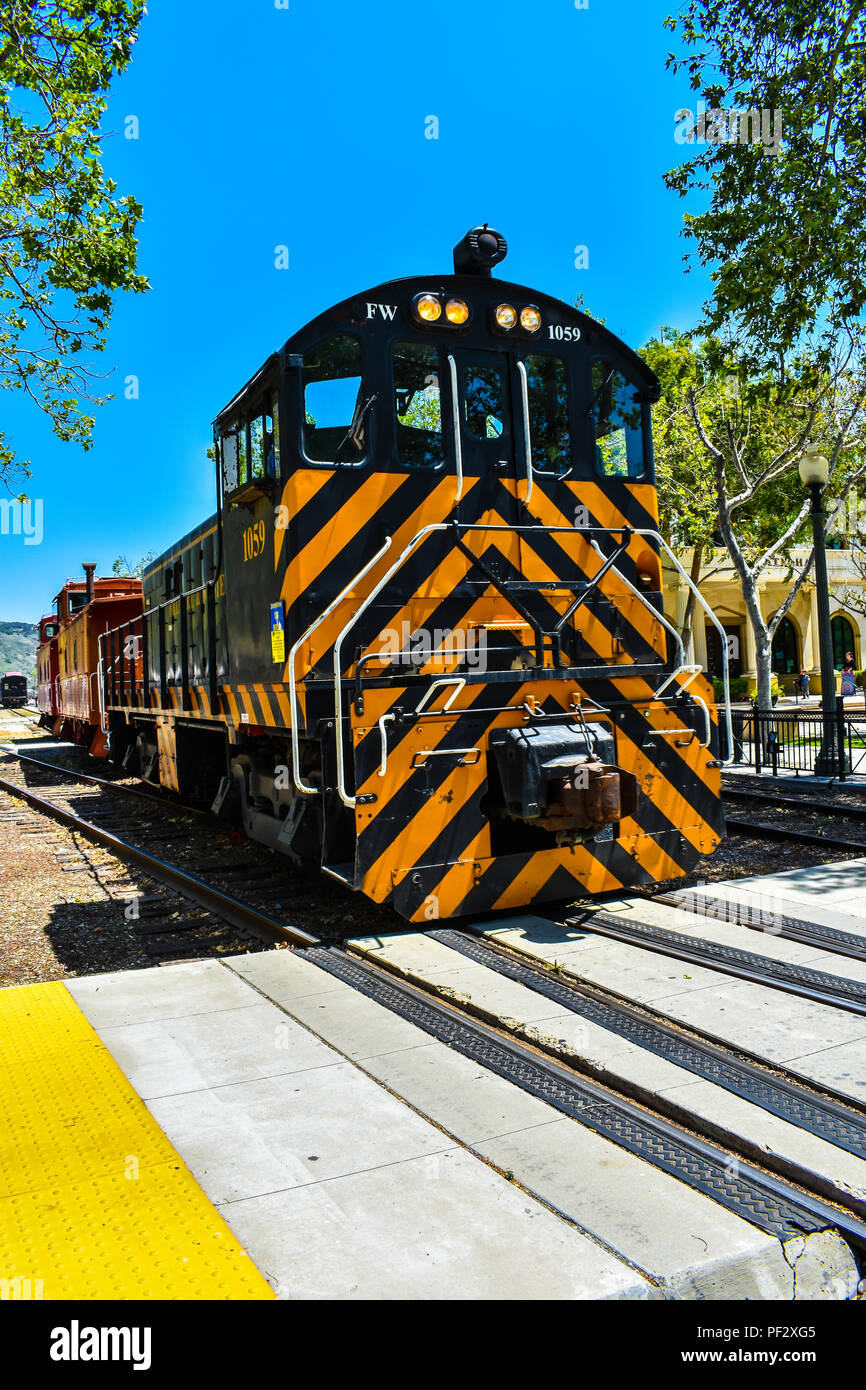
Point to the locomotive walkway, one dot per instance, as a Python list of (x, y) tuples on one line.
[(325, 1143)]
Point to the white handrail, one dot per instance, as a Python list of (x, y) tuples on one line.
[(455, 416), (293, 656), (645, 601), (725, 762), (99, 675), (383, 764), (691, 670), (457, 681), (346, 799), (524, 392)]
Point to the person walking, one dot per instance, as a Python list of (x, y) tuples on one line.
[(849, 684), (804, 683)]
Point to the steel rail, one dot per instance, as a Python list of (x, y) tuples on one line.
[(230, 909), (765, 830), (816, 985), (838, 808), (771, 1203), (108, 785), (771, 923)]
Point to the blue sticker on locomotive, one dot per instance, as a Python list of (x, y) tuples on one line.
[(278, 632)]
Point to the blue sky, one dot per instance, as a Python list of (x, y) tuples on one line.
[(304, 127)]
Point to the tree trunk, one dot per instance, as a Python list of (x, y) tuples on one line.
[(763, 641), (763, 662), (688, 617)]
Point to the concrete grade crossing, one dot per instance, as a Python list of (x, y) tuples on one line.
[(296, 1138)]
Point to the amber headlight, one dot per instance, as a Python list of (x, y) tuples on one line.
[(506, 315), (428, 308), (530, 319), (456, 311)]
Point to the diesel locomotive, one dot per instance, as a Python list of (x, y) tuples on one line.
[(422, 638)]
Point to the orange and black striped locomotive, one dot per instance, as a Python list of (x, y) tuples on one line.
[(422, 639)]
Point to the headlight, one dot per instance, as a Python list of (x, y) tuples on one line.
[(530, 319), (456, 311), (428, 308), (506, 315)]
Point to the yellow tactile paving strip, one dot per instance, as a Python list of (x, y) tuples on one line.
[(94, 1201)]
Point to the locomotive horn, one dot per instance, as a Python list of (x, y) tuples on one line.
[(479, 251)]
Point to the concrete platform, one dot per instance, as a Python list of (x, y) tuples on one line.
[(334, 1186), (838, 888), (684, 1243)]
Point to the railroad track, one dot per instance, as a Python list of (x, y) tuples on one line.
[(818, 985), (786, 795), (835, 808), (794, 803), (157, 917), (742, 914), (684, 1148), (768, 830)]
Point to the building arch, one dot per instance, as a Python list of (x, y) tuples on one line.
[(786, 649), (845, 639)]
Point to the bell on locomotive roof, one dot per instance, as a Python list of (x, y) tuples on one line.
[(479, 251)]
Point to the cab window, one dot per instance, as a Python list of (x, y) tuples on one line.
[(547, 383), (618, 419), (272, 439), (257, 448), (483, 398), (230, 461), (418, 405), (336, 410)]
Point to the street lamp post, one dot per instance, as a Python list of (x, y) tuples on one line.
[(814, 471)]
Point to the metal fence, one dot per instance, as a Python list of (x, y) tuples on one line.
[(794, 739)]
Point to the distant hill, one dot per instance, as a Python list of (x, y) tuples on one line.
[(18, 649)]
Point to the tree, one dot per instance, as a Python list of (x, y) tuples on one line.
[(784, 223), (688, 514), (733, 451), (67, 243), (124, 569)]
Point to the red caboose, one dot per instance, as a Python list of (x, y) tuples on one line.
[(69, 658), (48, 670)]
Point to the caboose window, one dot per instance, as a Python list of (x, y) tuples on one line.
[(243, 456), (417, 405), (618, 418), (483, 401), (547, 381), (336, 412)]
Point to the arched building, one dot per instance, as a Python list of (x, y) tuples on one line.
[(795, 642)]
